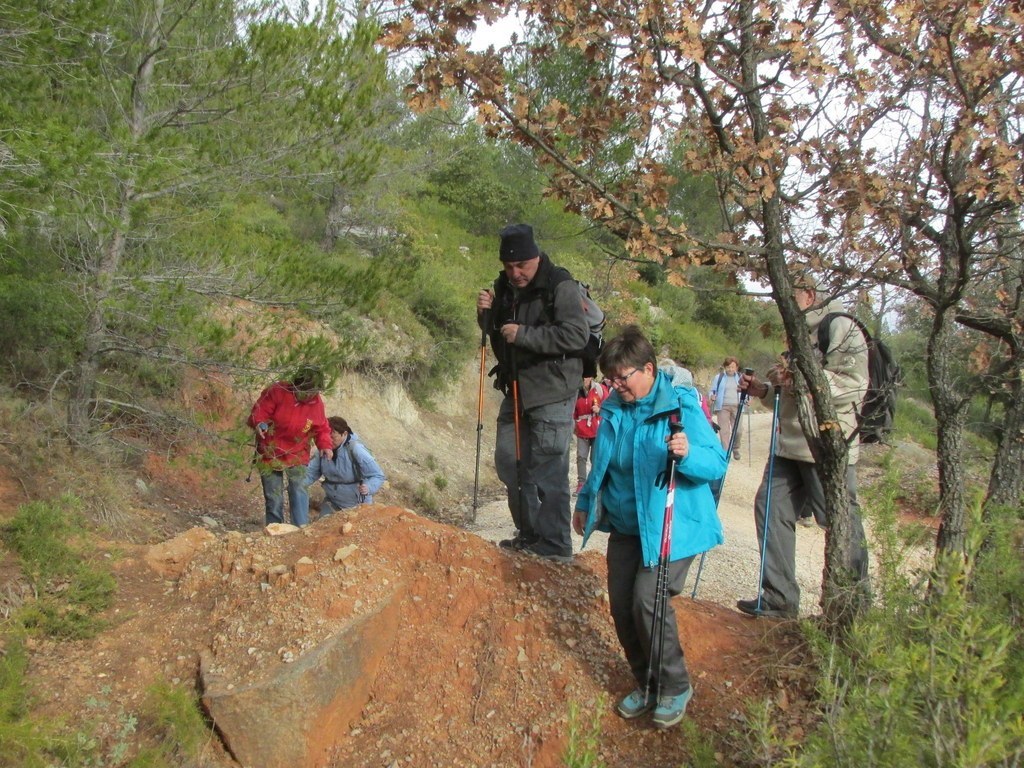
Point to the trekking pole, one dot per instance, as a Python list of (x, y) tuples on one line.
[(514, 370), (750, 459), (480, 408), (768, 493), (736, 427), (255, 457), (659, 618)]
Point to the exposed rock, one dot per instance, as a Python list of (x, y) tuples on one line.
[(301, 710), (345, 553), (169, 558), (303, 568), (280, 529)]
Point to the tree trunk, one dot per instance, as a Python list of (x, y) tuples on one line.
[(1006, 481), (951, 415)]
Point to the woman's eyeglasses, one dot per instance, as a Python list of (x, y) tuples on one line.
[(620, 381)]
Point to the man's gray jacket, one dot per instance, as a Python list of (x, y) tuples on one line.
[(545, 347)]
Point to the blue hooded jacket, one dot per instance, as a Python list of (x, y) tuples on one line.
[(695, 524)]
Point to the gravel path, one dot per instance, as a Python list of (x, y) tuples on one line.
[(730, 570)]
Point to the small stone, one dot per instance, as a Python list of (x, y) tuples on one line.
[(304, 567), (346, 529), (345, 553)]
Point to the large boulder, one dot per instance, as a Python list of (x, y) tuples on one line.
[(300, 711)]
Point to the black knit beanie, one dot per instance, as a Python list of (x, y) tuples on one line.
[(517, 243)]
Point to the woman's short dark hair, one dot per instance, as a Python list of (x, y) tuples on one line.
[(630, 349), (730, 359), (338, 424)]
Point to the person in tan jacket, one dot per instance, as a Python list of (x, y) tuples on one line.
[(795, 486)]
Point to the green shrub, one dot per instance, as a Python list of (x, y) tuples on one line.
[(23, 740), (173, 716), (915, 421), (72, 589), (931, 675), (581, 751)]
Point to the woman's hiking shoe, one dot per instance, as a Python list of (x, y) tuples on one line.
[(634, 705), (670, 709)]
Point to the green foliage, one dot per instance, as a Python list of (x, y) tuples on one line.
[(173, 716), (72, 588), (581, 751), (23, 740), (426, 499), (915, 421), (932, 674)]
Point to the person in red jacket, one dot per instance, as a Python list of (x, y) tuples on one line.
[(287, 415), (587, 417)]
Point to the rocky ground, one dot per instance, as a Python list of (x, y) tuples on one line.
[(401, 636)]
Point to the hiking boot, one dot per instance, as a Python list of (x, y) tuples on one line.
[(563, 559), (516, 543), (670, 709), (750, 608), (634, 705), (736, 455)]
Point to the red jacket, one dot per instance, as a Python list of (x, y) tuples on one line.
[(292, 423), (587, 421)]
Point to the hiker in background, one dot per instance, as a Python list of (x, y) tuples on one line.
[(351, 476), (631, 455), (537, 325), (725, 399), (588, 418), (287, 416), (795, 487), (682, 377)]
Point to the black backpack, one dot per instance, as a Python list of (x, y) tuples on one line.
[(594, 314), (595, 322), (875, 419)]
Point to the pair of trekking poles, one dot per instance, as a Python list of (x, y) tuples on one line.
[(744, 397), (480, 416)]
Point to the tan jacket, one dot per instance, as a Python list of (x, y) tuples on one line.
[(846, 368)]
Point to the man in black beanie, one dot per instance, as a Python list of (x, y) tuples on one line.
[(537, 326)]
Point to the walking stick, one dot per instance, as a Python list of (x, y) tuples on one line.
[(768, 494), (659, 618), (514, 370), (480, 408), (750, 437), (255, 456), (736, 426)]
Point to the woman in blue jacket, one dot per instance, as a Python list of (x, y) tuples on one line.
[(351, 476), (624, 496)]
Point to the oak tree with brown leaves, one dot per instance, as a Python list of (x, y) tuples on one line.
[(870, 142)]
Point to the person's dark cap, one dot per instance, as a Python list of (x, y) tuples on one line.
[(517, 243), (308, 380)]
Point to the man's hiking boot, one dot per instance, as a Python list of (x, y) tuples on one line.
[(562, 559), (517, 543), (765, 611), (634, 705), (670, 709)]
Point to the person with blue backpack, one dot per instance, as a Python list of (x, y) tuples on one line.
[(351, 476), (654, 459)]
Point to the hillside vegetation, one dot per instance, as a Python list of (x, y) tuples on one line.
[(178, 230)]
